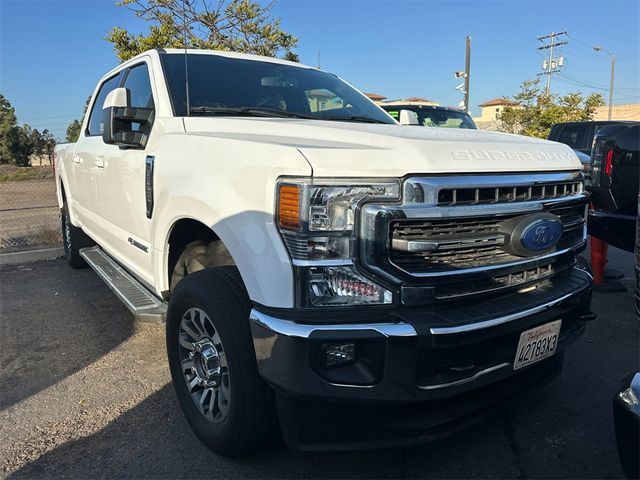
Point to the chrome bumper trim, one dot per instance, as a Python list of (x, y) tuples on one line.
[(471, 327), (300, 330), (462, 381)]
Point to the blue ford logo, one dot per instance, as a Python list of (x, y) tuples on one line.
[(541, 235)]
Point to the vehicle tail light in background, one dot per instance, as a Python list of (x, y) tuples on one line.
[(608, 164)]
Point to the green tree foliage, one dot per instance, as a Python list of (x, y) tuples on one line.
[(18, 143), (43, 143), (7, 122), (22, 144), (532, 112), (73, 130), (232, 25)]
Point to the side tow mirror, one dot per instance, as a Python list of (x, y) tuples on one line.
[(123, 125), (407, 117)]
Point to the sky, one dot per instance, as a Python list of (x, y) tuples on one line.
[(53, 52)]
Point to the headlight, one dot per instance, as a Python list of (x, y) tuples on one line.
[(316, 219)]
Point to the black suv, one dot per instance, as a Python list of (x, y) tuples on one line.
[(579, 135), (614, 184)]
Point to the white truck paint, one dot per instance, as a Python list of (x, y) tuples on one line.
[(223, 170)]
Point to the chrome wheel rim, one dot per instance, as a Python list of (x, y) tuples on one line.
[(204, 365)]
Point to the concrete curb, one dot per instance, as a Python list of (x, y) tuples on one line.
[(29, 256)]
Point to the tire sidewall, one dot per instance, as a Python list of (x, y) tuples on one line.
[(66, 232), (189, 294)]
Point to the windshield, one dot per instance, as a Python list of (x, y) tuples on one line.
[(437, 117), (221, 85)]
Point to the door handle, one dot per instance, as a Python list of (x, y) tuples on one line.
[(76, 158), (99, 162)]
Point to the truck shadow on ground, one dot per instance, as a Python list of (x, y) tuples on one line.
[(153, 440), (54, 322)]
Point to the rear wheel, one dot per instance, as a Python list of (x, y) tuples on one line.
[(73, 239), (213, 366)]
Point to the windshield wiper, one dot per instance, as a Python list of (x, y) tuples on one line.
[(248, 111), (354, 118)]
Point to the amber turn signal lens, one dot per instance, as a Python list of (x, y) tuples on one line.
[(289, 207)]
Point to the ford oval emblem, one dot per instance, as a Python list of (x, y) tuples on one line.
[(541, 235)]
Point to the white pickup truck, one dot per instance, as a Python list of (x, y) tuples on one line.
[(322, 269)]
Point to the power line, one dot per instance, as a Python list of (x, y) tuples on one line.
[(571, 81)]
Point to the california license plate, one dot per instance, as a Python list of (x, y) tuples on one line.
[(537, 344)]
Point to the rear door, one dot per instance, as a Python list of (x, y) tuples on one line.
[(85, 191)]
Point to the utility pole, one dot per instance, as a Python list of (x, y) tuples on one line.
[(613, 73), (467, 71), (551, 65), (319, 52), (464, 87)]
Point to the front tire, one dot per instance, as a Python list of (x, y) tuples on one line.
[(73, 239), (213, 365)]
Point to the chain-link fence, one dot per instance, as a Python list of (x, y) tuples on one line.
[(29, 213)]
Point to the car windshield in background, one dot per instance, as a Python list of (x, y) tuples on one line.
[(437, 117), (220, 85)]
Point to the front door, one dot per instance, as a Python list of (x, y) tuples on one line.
[(120, 174)]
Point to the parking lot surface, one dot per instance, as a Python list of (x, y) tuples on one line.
[(85, 393)]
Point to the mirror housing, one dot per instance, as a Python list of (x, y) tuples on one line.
[(408, 117), (123, 125)]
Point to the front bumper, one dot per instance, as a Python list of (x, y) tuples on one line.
[(413, 359)]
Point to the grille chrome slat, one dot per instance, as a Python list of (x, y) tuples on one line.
[(489, 195)]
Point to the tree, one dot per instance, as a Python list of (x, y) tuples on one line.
[(73, 130), (232, 25), (532, 112), (43, 143), (7, 122), (21, 144)]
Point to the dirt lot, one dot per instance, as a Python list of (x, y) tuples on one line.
[(85, 393)]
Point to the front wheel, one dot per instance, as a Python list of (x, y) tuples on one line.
[(213, 366)]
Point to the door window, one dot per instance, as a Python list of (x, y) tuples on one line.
[(574, 135), (139, 86), (94, 127)]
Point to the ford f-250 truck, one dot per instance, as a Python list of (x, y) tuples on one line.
[(322, 269)]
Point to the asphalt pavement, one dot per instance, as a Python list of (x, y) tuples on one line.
[(85, 393)]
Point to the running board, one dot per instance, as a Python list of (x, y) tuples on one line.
[(144, 305)]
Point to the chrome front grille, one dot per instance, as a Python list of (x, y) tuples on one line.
[(467, 243), (451, 236)]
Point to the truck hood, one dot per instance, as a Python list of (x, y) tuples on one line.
[(375, 150)]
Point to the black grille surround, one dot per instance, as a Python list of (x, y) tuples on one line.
[(433, 253)]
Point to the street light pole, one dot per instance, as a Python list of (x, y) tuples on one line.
[(613, 73)]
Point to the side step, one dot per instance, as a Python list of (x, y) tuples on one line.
[(144, 305)]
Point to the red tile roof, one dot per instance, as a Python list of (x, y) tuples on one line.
[(497, 101), (418, 99), (375, 96)]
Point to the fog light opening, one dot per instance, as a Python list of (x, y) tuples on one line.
[(339, 354)]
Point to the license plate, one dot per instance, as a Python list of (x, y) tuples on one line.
[(537, 344)]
